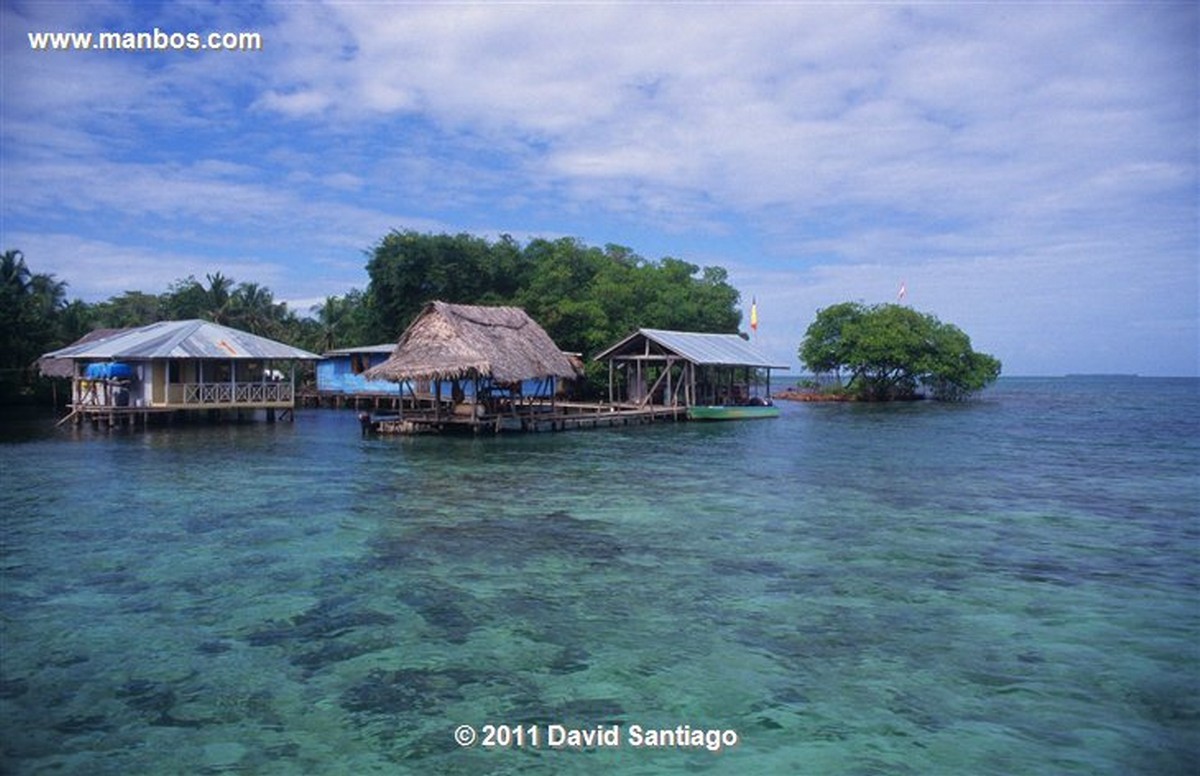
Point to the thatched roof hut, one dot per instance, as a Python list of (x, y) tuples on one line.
[(456, 341), (50, 366)]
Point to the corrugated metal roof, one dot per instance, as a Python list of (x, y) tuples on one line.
[(713, 349), (385, 348), (183, 339)]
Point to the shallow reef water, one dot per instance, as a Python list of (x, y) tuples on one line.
[(1003, 586)]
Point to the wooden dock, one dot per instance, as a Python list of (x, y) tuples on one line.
[(310, 398), (564, 416), (131, 417)]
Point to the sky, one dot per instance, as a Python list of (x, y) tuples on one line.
[(1028, 171)]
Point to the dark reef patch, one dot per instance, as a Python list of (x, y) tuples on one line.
[(408, 691), (442, 610), (93, 723), (329, 619), (569, 660), (13, 688), (336, 651), (506, 540)]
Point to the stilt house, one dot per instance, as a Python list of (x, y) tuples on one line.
[(477, 361), (179, 366)]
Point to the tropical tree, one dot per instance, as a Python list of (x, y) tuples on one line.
[(14, 273), (186, 299), (408, 269), (218, 298), (890, 351), (823, 350), (29, 306), (75, 319), (584, 296), (252, 307), (341, 321), (558, 292), (14, 315), (133, 308)]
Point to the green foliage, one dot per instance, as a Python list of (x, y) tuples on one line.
[(132, 308), (585, 297), (30, 304), (891, 351), (408, 269), (35, 318), (343, 321)]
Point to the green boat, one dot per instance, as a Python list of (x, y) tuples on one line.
[(733, 412)]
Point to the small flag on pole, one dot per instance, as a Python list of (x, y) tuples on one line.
[(903, 292), (754, 314)]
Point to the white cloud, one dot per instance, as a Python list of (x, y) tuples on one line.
[(96, 270), (1049, 148), (935, 111)]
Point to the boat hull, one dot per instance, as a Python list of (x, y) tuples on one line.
[(732, 413)]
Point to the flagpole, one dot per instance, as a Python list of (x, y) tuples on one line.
[(753, 339)]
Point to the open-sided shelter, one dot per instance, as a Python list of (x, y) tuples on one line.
[(673, 368)]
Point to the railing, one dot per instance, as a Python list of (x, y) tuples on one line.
[(237, 393)]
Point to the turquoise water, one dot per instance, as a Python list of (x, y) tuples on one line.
[(1006, 586)]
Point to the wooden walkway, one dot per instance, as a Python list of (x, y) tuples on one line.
[(115, 417), (564, 417)]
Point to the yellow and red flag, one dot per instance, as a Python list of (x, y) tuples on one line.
[(754, 313)]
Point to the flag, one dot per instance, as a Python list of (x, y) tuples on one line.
[(903, 292), (754, 314)]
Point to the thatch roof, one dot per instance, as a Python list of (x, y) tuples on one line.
[(49, 366), (452, 341)]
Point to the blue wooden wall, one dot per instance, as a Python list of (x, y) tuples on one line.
[(342, 374)]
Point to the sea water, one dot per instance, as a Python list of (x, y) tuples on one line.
[(1002, 586)]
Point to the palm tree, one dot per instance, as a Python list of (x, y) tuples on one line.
[(253, 308), (14, 344), (14, 274), (48, 293), (218, 297), (29, 308), (333, 315), (75, 320)]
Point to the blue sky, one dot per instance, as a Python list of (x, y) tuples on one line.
[(1029, 170)]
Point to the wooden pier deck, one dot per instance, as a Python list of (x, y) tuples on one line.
[(564, 416), (132, 417)]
